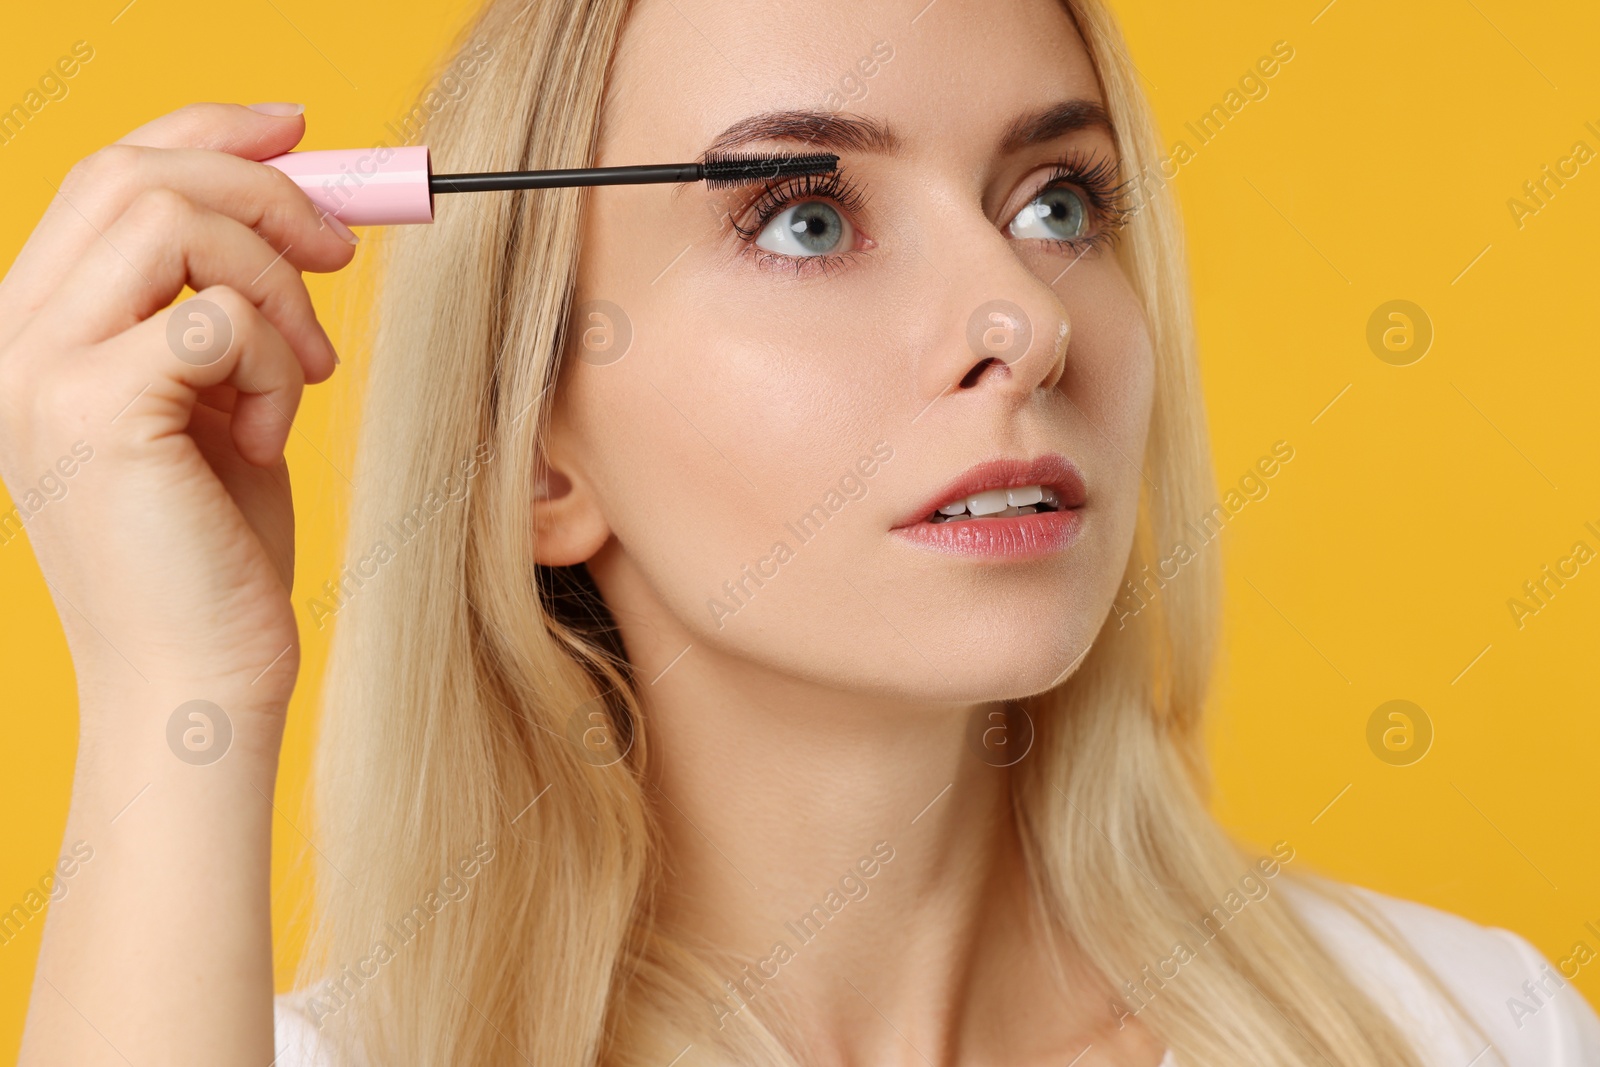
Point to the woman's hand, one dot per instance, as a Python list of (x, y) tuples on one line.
[(143, 448), (171, 552)]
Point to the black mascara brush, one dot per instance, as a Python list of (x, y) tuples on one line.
[(383, 186)]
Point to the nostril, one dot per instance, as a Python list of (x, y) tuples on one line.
[(976, 373)]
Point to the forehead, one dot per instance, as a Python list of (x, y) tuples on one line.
[(949, 77)]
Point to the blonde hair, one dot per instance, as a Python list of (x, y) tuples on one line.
[(499, 904)]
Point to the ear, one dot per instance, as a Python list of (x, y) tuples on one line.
[(568, 525)]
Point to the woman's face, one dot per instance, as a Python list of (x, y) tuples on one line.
[(811, 369)]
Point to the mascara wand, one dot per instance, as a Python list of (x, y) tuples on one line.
[(384, 186)]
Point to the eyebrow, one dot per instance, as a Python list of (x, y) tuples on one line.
[(824, 130), (1069, 116), (817, 129)]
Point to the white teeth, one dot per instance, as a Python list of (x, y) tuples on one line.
[(990, 502), (999, 503), (1028, 494)]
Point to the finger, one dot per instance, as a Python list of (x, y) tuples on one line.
[(162, 243), (218, 397), (103, 186), (232, 128), (239, 350)]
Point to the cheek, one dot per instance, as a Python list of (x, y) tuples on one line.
[(1111, 366), (718, 429), (779, 393), (1110, 372), (1111, 381)]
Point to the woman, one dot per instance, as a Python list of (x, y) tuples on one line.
[(726, 670)]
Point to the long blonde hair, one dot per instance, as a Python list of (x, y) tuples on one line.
[(498, 904)]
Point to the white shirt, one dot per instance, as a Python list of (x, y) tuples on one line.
[(1530, 1010)]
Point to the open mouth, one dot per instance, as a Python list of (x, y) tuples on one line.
[(998, 504), (1041, 502)]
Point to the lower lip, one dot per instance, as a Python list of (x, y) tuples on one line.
[(1016, 538)]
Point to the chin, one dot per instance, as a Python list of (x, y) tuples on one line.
[(1018, 656), (1000, 634), (1000, 656)]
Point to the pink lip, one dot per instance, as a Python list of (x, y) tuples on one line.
[(1020, 536)]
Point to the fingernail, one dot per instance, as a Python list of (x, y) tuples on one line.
[(282, 111), (340, 228)]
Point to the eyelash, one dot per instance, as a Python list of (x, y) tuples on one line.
[(834, 186), (1109, 201)]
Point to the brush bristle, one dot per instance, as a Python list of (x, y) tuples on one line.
[(726, 170)]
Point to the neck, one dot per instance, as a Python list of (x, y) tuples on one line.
[(851, 858), (849, 862)]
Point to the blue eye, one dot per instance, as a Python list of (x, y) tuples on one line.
[(1059, 214), (810, 228)]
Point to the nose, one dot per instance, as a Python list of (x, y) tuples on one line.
[(1002, 328)]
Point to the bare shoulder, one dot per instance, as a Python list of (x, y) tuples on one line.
[(1526, 1006)]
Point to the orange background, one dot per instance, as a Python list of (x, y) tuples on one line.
[(1378, 567)]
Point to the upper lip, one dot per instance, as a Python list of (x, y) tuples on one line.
[(1053, 471)]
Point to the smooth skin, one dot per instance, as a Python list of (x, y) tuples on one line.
[(831, 710), (170, 562), (828, 714)]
